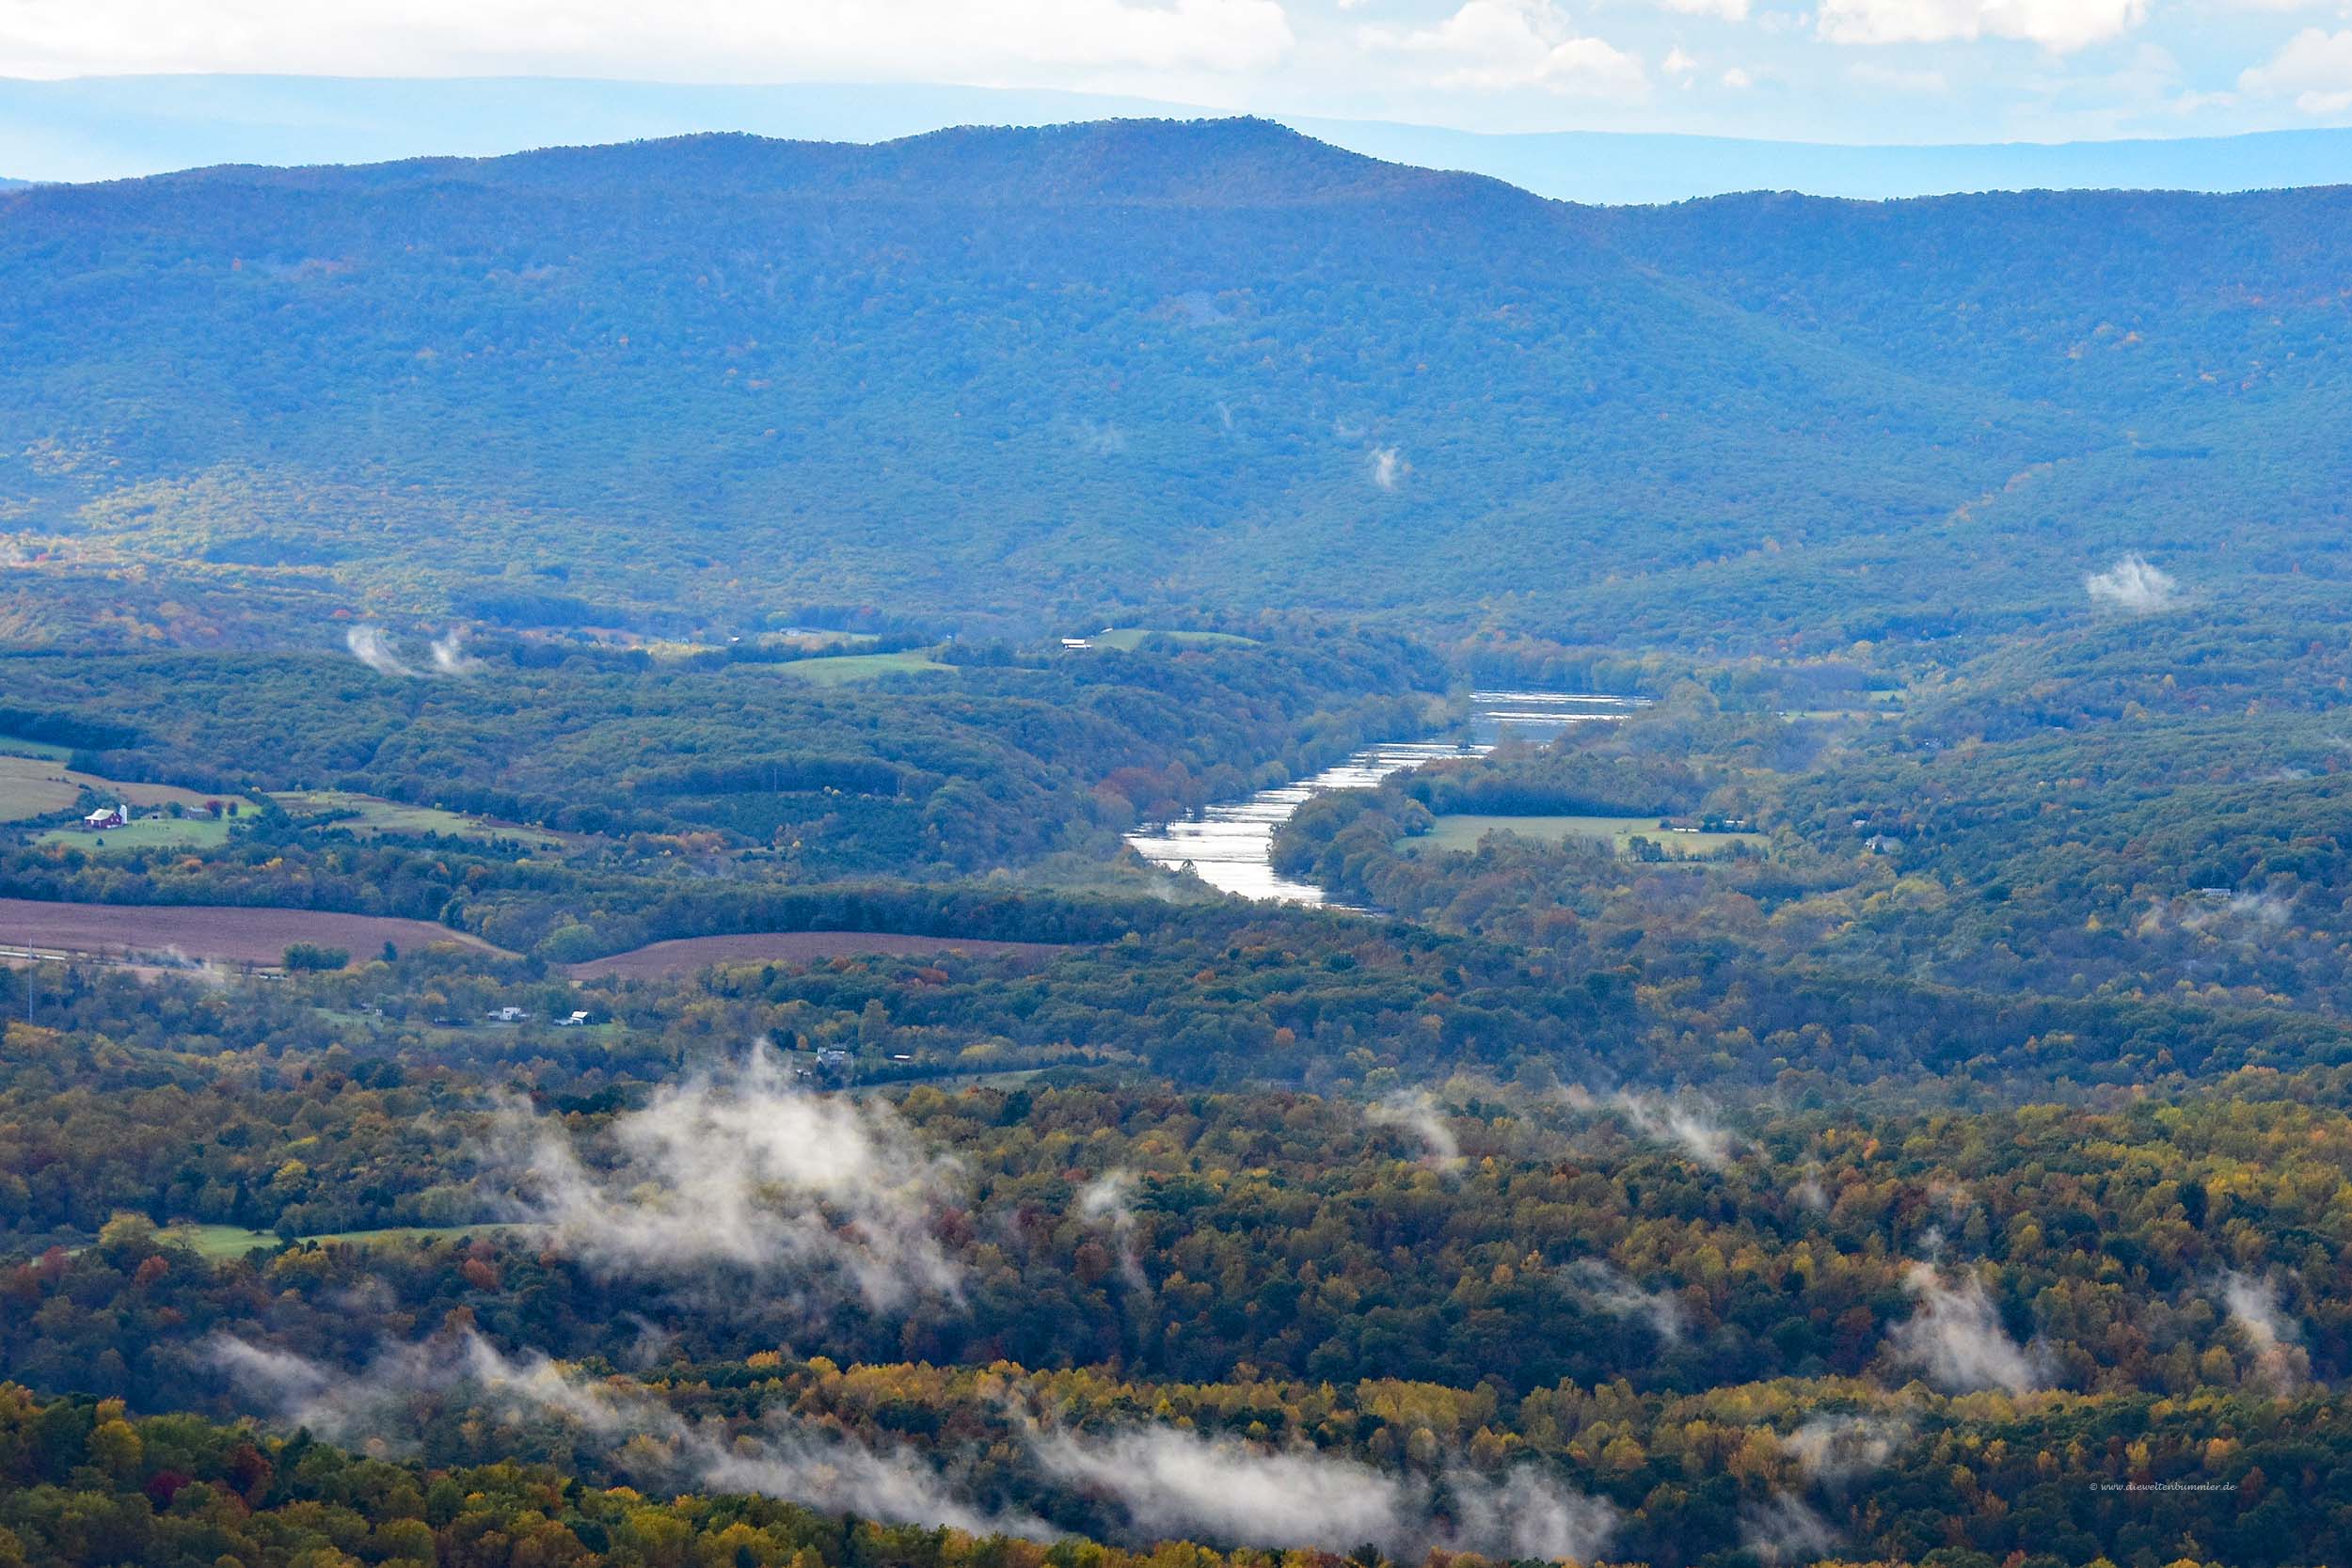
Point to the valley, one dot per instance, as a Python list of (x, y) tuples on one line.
[(1146, 846)]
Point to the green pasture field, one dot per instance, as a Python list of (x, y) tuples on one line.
[(1456, 834), (860, 667), (216, 1242), (35, 785), (373, 816), (1128, 639), (145, 832)]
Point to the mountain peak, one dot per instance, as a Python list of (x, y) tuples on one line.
[(1232, 163)]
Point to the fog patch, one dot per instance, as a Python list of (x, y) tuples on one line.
[(1102, 438), (1173, 1484), (1784, 1530), (2279, 1358), (653, 1342), (449, 654), (744, 1170), (1525, 1515), (1388, 468), (1687, 1125), (2133, 586), (1605, 1288), (1956, 1339), (370, 648), (1104, 1201), (1416, 1113), (2259, 911), (1834, 1450), (786, 1458)]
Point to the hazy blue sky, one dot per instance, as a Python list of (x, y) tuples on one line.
[(1868, 71)]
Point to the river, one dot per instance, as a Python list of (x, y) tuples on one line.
[(1231, 845)]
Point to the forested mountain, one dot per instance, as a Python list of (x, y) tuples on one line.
[(1000, 375), (573, 965)]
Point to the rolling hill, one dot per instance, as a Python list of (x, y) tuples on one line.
[(114, 127), (996, 378)]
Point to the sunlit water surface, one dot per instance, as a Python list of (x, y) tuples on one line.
[(1231, 845)]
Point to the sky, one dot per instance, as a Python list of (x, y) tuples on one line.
[(1844, 71)]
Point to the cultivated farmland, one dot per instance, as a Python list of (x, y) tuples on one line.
[(206, 933), (688, 954)]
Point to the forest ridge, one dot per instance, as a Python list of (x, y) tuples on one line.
[(1223, 365)]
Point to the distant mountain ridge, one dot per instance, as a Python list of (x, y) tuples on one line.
[(110, 127), (1005, 376)]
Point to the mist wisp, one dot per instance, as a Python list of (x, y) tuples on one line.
[(781, 1457), (1416, 1112), (1176, 1483), (744, 1170), (1605, 1288), (1957, 1339), (2133, 586)]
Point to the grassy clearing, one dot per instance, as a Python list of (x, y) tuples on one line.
[(16, 746), (216, 1242), (409, 1235), (861, 667), (1458, 833), (1128, 639), (33, 786), (372, 817), (146, 832)]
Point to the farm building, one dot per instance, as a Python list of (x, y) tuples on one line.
[(104, 818)]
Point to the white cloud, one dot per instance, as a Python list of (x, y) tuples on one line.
[(1784, 1530), (688, 40), (1956, 1339), (449, 654), (2133, 586), (1104, 1201), (1416, 1113), (1869, 74), (1687, 1125), (1605, 1288), (1175, 1483), (2313, 67), (2060, 26), (1677, 63), (746, 1172), (1737, 79), (2253, 1303), (1728, 10), (370, 648), (1495, 45), (1836, 1448), (783, 1457)]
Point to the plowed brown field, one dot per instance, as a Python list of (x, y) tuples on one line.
[(685, 955), (203, 933)]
